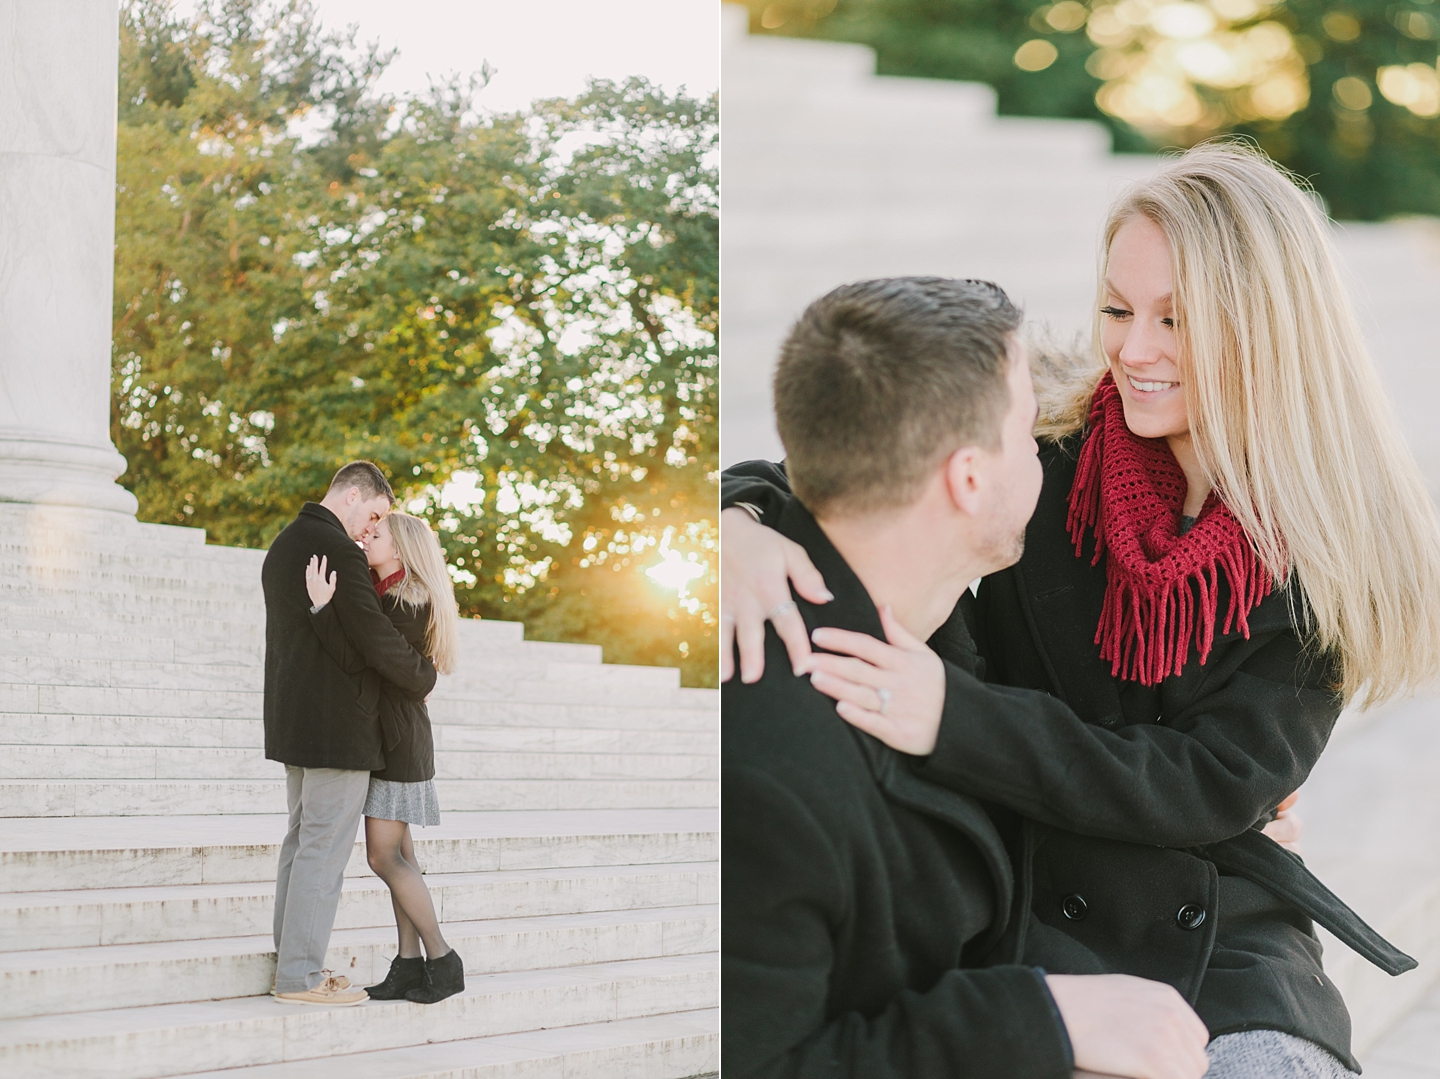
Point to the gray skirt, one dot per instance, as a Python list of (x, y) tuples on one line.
[(413, 803), (1269, 1054)]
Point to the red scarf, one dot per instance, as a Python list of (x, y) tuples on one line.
[(1161, 588), (381, 587)]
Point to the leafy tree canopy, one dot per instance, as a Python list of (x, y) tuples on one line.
[(514, 315), (1344, 93)]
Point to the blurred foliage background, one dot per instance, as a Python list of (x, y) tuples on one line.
[(1346, 93), (514, 315)]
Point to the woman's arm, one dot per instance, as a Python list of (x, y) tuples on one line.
[(758, 568), (1210, 772), (325, 619), (1222, 763)]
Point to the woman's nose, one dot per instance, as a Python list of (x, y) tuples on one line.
[(1142, 346)]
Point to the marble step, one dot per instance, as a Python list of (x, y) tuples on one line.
[(45, 982), (673, 1046), (24, 706), (180, 647), (50, 854), (481, 677), (126, 798), (36, 729), (69, 699), (55, 617), (175, 1039), (117, 599), (45, 561), (183, 762), (90, 529), (93, 917)]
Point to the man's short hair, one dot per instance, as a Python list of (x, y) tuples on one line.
[(365, 475), (881, 380)]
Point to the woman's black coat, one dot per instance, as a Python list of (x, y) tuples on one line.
[(318, 714), (409, 744), (1138, 839), (856, 897)]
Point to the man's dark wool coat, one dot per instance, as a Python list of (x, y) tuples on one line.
[(1133, 813), (404, 723), (855, 895), (316, 714)]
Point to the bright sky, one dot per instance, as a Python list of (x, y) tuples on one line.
[(539, 48)]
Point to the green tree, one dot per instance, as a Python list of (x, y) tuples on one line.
[(1344, 93), (514, 315)]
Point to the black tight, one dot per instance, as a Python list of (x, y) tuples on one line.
[(392, 857)]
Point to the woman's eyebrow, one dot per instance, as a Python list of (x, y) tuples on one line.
[(1113, 291)]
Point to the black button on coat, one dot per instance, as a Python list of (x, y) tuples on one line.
[(317, 715), (404, 723), (1106, 775), (856, 896)]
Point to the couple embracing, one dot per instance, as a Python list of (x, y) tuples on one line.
[(360, 614), (1040, 836)]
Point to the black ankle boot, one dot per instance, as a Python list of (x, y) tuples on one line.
[(444, 977), (405, 975)]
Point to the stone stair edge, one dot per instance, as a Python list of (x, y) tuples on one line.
[(20, 728), (18, 961), (78, 918), (155, 893), (669, 1045), (123, 798), (41, 982), (505, 1002), (243, 763), (61, 867)]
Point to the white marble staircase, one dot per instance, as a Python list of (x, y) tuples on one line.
[(575, 868)]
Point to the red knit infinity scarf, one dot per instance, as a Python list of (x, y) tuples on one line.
[(381, 587), (1161, 588)]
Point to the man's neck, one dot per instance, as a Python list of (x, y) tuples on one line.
[(903, 559)]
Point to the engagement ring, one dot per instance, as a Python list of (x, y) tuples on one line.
[(884, 695), (782, 609)]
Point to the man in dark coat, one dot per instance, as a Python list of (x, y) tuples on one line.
[(323, 723), (859, 900)]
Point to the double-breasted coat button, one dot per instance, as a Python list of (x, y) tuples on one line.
[(1190, 916), (1074, 907)]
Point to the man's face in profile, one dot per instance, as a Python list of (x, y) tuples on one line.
[(362, 515), (1016, 467)]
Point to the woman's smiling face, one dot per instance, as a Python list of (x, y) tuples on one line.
[(1138, 331)]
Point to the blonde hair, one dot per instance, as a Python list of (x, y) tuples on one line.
[(427, 581), (1286, 410)]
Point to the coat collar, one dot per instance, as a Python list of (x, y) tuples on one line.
[(853, 609), (320, 513)]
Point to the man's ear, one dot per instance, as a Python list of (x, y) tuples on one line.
[(965, 477)]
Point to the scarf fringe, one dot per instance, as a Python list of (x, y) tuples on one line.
[(1154, 613)]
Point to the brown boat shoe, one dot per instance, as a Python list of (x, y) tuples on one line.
[(334, 990)]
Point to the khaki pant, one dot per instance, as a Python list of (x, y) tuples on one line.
[(325, 809)]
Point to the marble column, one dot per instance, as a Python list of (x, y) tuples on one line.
[(58, 72)]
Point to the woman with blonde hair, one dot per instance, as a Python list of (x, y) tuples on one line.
[(407, 567), (1231, 543)]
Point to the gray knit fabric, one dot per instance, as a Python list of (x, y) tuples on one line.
[(414, 803), (1269, 1054)]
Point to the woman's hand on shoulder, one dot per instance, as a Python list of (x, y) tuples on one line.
[(757, 567), (319, 582), (894, 691)]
